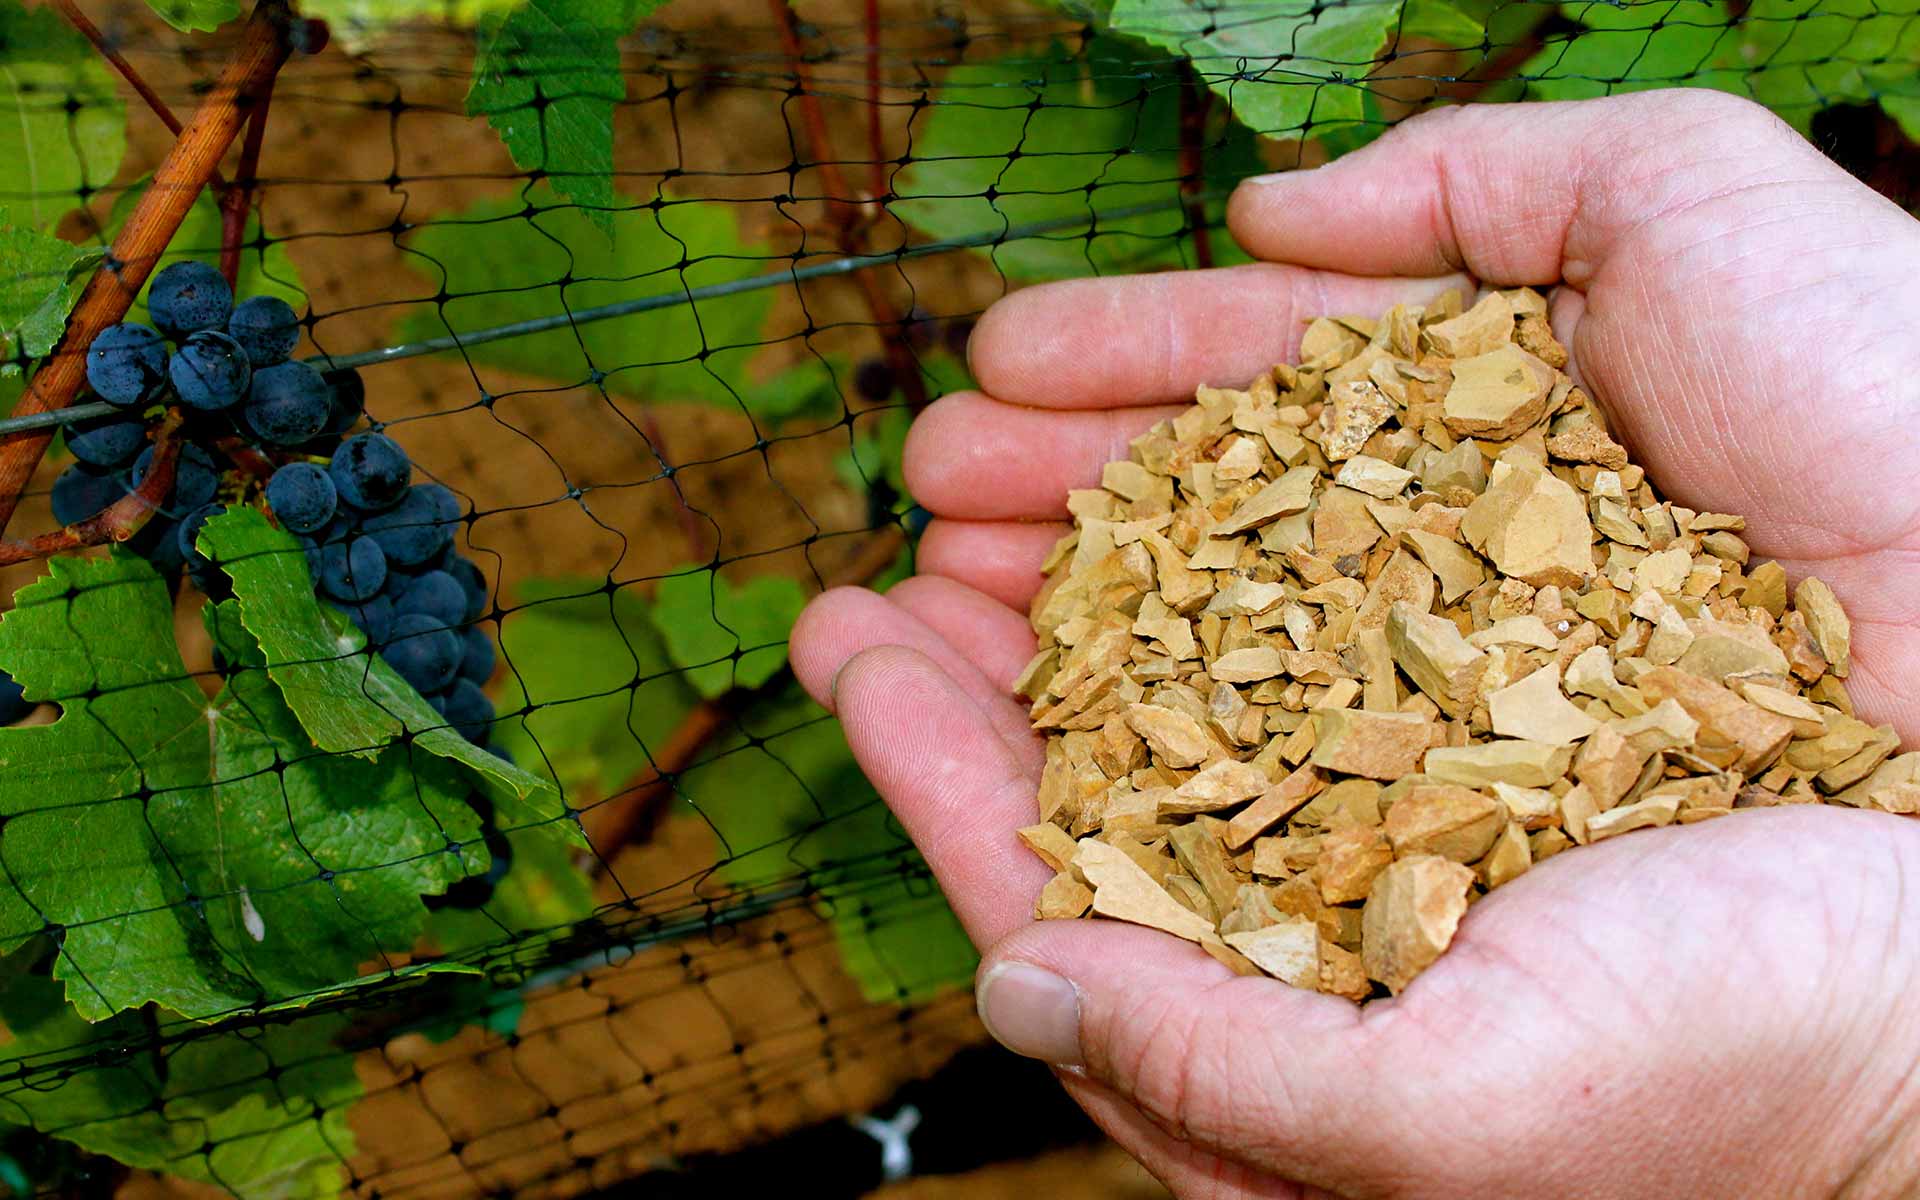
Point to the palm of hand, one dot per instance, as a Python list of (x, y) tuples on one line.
[(1683, 1012)]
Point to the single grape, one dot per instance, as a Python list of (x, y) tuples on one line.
[(289, 403), (417, 528), (477, 656), (353, 569), (370, 471), (435, 594), (14, 705), (110, 441), (159, 543), (873, 379), (209, 579), (266, 327), (349, 398), (474, 584), (126, 363), (210, 371), (195, 479), (302, 496), (425, 652), (189, 296), (468, 710), (374, 618)]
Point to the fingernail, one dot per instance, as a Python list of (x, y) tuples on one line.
[(1032, 1012)]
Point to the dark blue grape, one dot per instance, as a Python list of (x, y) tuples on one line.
[(82, 491), (126, 364), (473, 583), (208, 578), (467, 709), (210, 371), (266, 327), (435, 594), (425, 652), (417, 528), (14, 705), (477, 655), (195, 479), (189, 296), (107, 441), (370, 471), (158, 542), (349, 395), (302, 496), (374, 618), (353, 569), (288, 405)]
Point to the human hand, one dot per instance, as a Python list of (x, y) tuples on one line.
[(1716, 1010)]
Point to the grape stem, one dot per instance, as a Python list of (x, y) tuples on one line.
[(119, 520), (177, 182)]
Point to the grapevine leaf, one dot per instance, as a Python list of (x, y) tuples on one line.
[(547, 77), (347, 699), (592, 681), (62, 123), (196, 16), (723, 636), (1442, 21), (1631, 47), (39, 277), (79, 849), (1020, 140), (542, 890), (504, 260), (1905, 111), (1800, 56), (1281, 65), (264, 270)]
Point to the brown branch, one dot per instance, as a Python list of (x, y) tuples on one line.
[(246, 457), (118, 61), (1195, 103), (876, 138), (118, 521), (237, 200), (630, 814), (176, 183)]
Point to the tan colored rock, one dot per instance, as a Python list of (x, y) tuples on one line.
[(1125, 892), (1404, 580), (1289, 951), (1656, 810), (1497, 395), (1827, 622), (1062, 899), (1507, 860), (1350, 858), (1247, 666), (1050, 842), (1375, 477), (1533, 526), (1453, 822), (1486, 326), (1458, 568), (1275, 805), (1291, 493), (1536, 709), (1509, 760), (1370, 744), (1356, 410), (1175, 738), (1435, 657), (1411, 917), (1222, 785)]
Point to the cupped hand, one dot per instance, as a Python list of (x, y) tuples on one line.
[(1717, 1010)]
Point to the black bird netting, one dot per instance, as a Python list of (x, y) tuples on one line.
[(471, 836)]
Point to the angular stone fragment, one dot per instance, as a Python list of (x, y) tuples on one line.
[(1350, 858), (1124, 891), (1827, 622), (1453, 822), (1050, 842), (1508, 860), (1275, 805), (1497, 395), (1587, 443), (1247, 666), (1063, 898), (1175, 738), (1609, 766), (1458, 568), (1289, 950), (1725, 648), (1403, 580), (1356, 409), (1533, 526), (1486, 326), (1222, 785), (1654, 811), (1410, 918), (1509, 760), (1535, 709), (1200, 855), (1435, 657), (1370, 744), (1291, 493), (1382, 480), (1733, 733)]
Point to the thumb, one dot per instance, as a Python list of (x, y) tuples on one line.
[(1292, 1082)]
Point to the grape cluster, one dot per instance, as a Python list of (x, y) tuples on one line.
[(378, 546)]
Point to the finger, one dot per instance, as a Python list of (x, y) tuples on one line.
[(994, 638), (1149, 339), (842, 622), (1513, 193), (1250, 1069), (944, 771), (974, 457), (998, 558)]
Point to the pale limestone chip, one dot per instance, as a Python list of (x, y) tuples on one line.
[(1524, 630), (1376, 477), (1222, 785), (1486, 326), (1123, 890), (1809, 719), (1370, 744), (1535, 709), (1508, 860), (1276, 804), (1827, 622), (1291, 493), (1533, 526), (1403, 580), (1533, 808), (1356, 409), (1497, 395), (1288, 950), (1656, 810), (1200, 855), (1664, 571), (1591, 674), (1458, 568), (1435, 657), (1063, 898), (1244, 598), (1453, 822), (1242, 459), (1050, 842), (1463, 468), (1128, 480), (1719, 650), (1248, 665), (1509, 760), (1410, 917), (1350, 858), (1175, 738)]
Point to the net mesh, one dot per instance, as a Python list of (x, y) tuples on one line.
[(672, 410)]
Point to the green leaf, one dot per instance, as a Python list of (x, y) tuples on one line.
[(39, 279), (1800, 56), (1630, 47), (347, 699), (264, 271), (547, 77), (542, 890), (1095, 134), (1286, 67), (1442, 21), (705, 621), (195, 16), (1905, 111), (592, 680), (353, 23), (62, 123), (503, 260), (877, 457)]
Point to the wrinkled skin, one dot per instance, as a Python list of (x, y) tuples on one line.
[(1725, 1009)]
